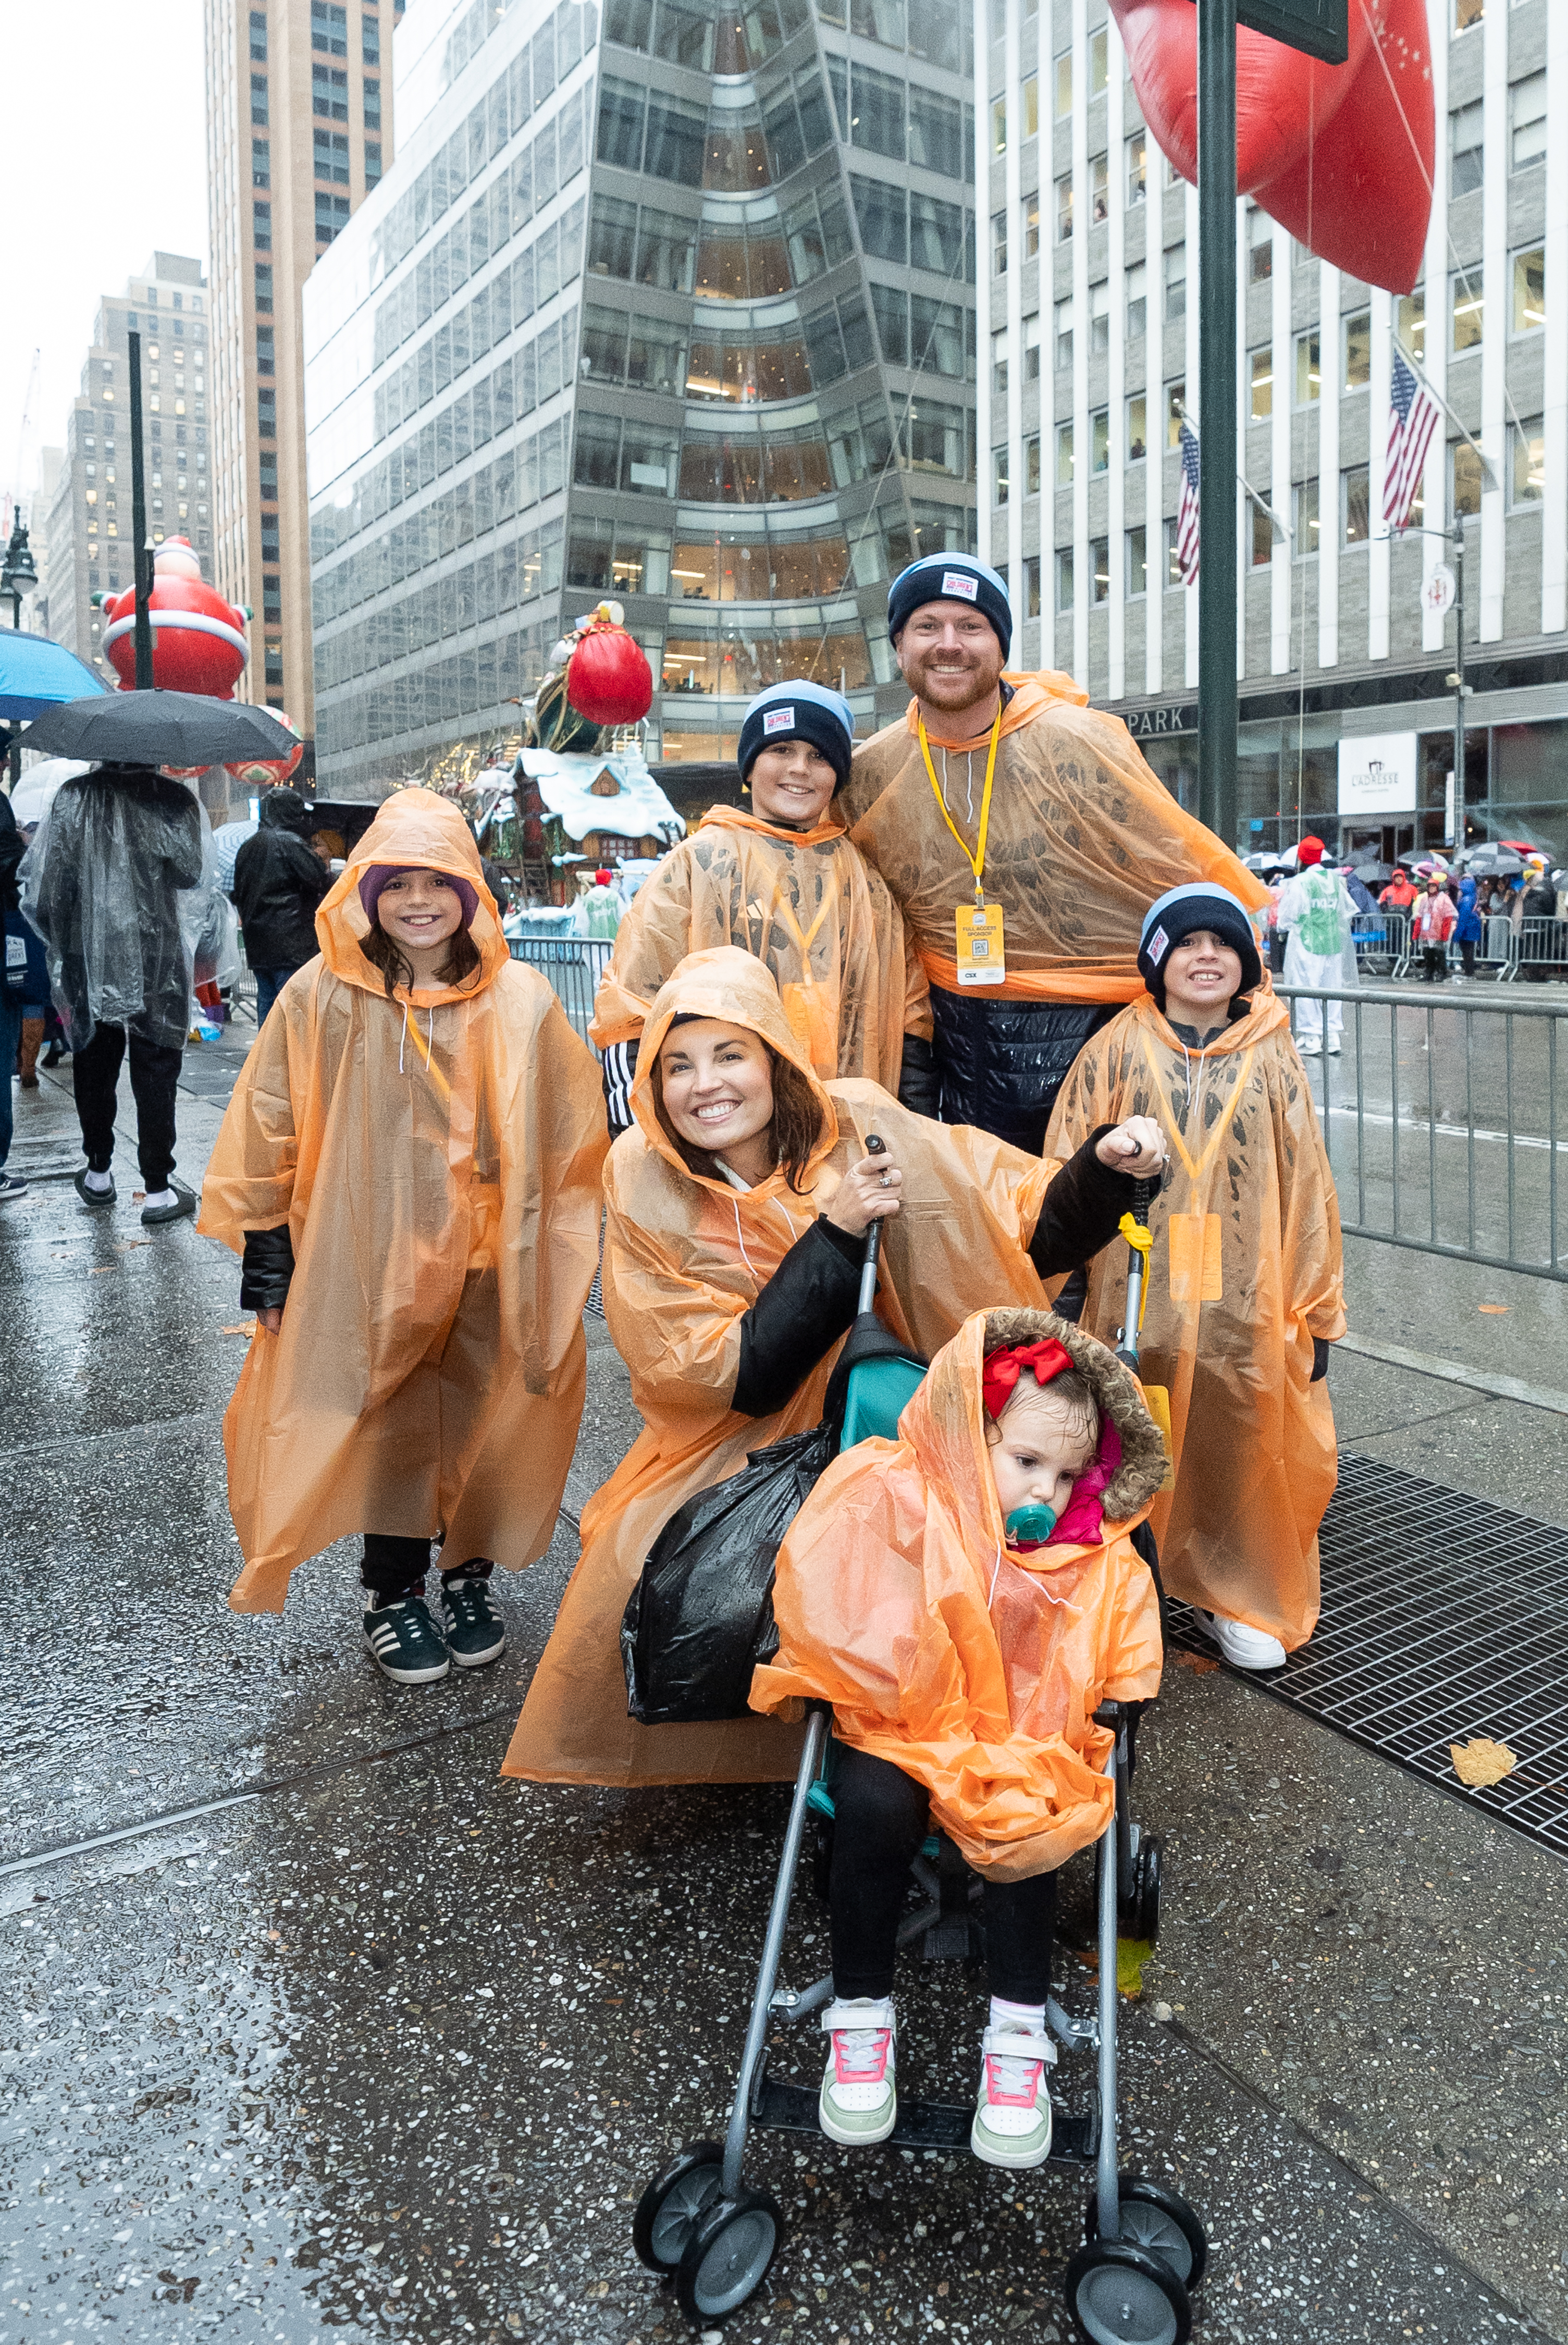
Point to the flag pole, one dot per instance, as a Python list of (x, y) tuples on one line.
[(1489, 479)]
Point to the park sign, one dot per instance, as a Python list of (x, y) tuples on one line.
[(1321, 28)]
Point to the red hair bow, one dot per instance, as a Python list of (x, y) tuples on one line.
[(1002, 1370)]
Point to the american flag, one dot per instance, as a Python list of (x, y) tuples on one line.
[(1412, 418), (1186, 510)]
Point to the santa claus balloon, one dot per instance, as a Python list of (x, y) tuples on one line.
[(198, 638)]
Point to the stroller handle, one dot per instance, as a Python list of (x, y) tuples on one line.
[(1137, 1271), (868, 1296)]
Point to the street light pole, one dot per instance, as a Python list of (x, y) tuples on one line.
[(1459, 691), (1217, 693), (141, 566)]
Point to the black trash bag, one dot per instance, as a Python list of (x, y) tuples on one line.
[(700, 1618)]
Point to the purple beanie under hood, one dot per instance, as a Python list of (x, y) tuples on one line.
[(375, 878)]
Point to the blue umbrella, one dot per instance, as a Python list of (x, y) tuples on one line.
[(36, 674)]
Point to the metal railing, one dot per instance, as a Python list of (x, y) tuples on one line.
[(1538, 946), (1443, 1122), (573, 965)]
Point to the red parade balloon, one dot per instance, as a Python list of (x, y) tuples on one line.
[(608, 679), (1326, 150), (198, 639)]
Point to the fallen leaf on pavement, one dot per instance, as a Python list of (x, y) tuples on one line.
[(1499, 1309), (139, 1196), (1132, 1953), (103, 1270), (1199, 1664), (123, 1245), (245, 1327), (1477, 1761)]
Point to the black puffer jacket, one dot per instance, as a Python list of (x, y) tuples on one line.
[(1001, 1063), (278, 883)]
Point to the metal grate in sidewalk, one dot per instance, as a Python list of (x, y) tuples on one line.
[(1443, 1618)]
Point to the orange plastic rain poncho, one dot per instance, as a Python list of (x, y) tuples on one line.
[(975, 1668), (803, 902), (1245, 1271), (436, 1159), (1083, 838), (684, 1258)]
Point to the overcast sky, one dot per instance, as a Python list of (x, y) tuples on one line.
[(105, 145)]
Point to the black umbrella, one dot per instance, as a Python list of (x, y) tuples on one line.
[(159, 729), (1374, 875)]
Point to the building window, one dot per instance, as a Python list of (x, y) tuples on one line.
[(1099, 188), (999, 244), (1032, 348), (330, 28), (1138, 167), (371, 40), (1064, 455), (372, 106), (1176, 280), (1063, 84), (998, 127), (1138, 427), (1175, 412), (1100, 569), (261, 221), (1260, 246), (1137, 301), (1262, 537), (1065, 578), (1355, 506), (258, 36), (264, 354), (1527, 103), (1031, 106), (1099, 318), (274, 666), (1304, 497), (1466, 480), (1530, 290), (1032, 225), (333, 156), (1031, 465), (1065, 209), (1064, 336), (1464, 147), (1138, 562), (1466, 308), (330, 93), (1261, 373), (1100, 441), (263, 285), (267, 412), (1411, 322), (1308, 368), (331, 216), (259, 100), (1099, 62), (1527, 464), (1467, 13), (372, 162), (261, 163), (999, 364), (1032, 586), (999, 476), (1358, 329)]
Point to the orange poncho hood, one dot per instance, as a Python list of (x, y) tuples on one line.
[(975, 1668), (422, 832)]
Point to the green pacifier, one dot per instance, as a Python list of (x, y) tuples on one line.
[(1029, 1526)]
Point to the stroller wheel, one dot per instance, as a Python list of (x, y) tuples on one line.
[(1118, 2295), (1159, 2222), (729, 2255), (669, 2207), (1145, 1919)]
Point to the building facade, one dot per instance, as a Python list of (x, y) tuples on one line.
[(297, 135), (1090, 306), (672, 304), (87, 530)]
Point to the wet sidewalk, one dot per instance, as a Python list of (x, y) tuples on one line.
[(310, 2023)]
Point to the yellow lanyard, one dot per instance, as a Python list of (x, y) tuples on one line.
[(976, 862)]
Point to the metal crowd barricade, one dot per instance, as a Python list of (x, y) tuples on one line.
[(1541, 947), (1383, 941), (573, 965), (1442, 1117)]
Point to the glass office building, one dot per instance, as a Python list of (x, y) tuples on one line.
[(671, 302)]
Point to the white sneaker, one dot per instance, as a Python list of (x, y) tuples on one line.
[(1012, 2115), (1308, 1048), (859, 2102), (1334, 1050), (1244, 1648)]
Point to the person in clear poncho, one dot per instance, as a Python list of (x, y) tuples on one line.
[(781, 880), (1245, 1290), (410, 1170), (118, 882), (1319, 952), (735, 1213)]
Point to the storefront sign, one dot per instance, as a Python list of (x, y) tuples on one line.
[(1176, 717), (1378, 775)]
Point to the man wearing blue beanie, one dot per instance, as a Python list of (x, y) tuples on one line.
[(1024, 836), (781, 880)]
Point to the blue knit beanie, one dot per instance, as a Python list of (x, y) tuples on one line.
[(1176, 914), (799, 711), (950, 578)]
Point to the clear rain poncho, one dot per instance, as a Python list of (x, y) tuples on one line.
[(684, 1259), (119, 883), (807, 905), (1083, 838), (976, 1668), (1246, 1270), (436, 1159)]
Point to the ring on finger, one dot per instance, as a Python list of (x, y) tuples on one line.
[(884, 1179)]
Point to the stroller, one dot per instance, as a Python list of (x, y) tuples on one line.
[(700, 2222)]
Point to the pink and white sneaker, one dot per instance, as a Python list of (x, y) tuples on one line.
[(1013, 2118), (858, 2103)]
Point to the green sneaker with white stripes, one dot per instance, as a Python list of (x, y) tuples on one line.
[(404, 1643)]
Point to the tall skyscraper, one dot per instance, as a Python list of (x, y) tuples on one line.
[(1089, 308), (674, 306), (297, 135), (86, 531)]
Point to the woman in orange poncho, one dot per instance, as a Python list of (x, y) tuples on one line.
[(966, 1597), (410, 1167), (727, 1288), (780, 880), (1245, 1286)]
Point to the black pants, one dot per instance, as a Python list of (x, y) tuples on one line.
[(154, 1072), (1436, 958), (394, 1566), (882, 1817), (1467, 954)]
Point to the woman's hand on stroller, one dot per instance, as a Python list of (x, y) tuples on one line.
[(271, 1317), (1136, 1148), (867, 1193)]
